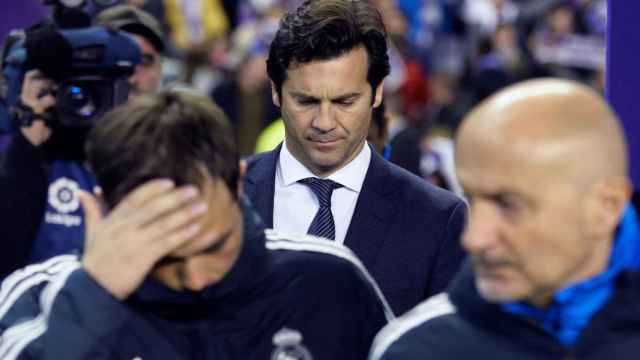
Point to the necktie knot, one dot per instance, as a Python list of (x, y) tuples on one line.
[(322, 188)]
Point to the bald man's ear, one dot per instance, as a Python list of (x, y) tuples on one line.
[(274, 95), (608, 200)]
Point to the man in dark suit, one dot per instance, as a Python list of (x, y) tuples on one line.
[(326, 65)]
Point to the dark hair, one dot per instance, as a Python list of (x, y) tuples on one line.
[(174, 135), (326, 29)]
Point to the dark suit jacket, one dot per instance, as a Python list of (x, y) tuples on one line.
[(405, 231)]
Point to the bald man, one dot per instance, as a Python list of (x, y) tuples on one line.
[(554, 244)]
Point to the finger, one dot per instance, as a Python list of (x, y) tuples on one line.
[(35, 88), (97, 192), (155, 210), (201, 241), (33, 74), (92, 211), (141, 194), (31, 89), (174, 220), (35, 81), (47, 101), (170, 241)]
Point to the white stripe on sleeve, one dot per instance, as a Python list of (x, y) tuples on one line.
[(280, 241), (15, 338), (435, 306), (22, 280)]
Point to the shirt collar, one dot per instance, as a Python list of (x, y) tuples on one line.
[(350, 176)]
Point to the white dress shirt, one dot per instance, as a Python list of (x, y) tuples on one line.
[(295, 205)]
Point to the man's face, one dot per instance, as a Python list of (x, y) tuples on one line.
[(527, 234), (197, 265), (148, 74), (326, 107)]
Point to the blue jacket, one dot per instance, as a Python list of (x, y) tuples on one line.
[(40, 212), (405, 231), (286, 297)]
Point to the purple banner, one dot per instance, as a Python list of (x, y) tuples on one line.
[(623, 73)]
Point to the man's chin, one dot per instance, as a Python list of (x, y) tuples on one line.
[(325, 163), (495, 291)]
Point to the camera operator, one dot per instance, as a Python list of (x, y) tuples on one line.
[(148, 34), (43, 168)]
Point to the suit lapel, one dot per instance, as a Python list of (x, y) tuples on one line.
[(260, 184), (373, 214)]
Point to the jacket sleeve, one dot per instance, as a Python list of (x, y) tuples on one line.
[(23, 188), (450, 254), (55, 310)]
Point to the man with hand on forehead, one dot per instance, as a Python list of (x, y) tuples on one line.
[(553, 238), (179, 266)]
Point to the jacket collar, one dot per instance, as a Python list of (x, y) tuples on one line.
[(375, 211)]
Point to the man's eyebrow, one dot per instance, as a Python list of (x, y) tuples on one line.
[(349, 96), (301, 95), (344, 97), (502, 195)]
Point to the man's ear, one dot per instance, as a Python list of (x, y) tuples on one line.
[(609, 199), (242, 170), (274, 95), (377, 100)]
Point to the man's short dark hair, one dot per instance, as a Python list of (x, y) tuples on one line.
[(174, 135), (326, 29)]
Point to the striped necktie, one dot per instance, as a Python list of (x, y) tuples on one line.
[(322, 224)]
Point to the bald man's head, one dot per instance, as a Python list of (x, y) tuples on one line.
[(559, 123), (545, 168)]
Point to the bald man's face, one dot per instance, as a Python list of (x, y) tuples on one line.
[(527, 233)]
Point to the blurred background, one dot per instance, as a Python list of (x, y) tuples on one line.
[(446, 56)]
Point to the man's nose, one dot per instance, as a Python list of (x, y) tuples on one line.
[(135, 77), (325, 117), (482, 229), (196, 278)]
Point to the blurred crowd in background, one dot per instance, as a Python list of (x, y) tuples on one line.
[(446, 56)]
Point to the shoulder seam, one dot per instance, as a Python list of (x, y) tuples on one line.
[(296, 242), (432, 308)]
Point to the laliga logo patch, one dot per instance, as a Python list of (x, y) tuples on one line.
[(289, 346), (62, 195)]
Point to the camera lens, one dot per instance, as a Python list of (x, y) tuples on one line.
[(81, 101)]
